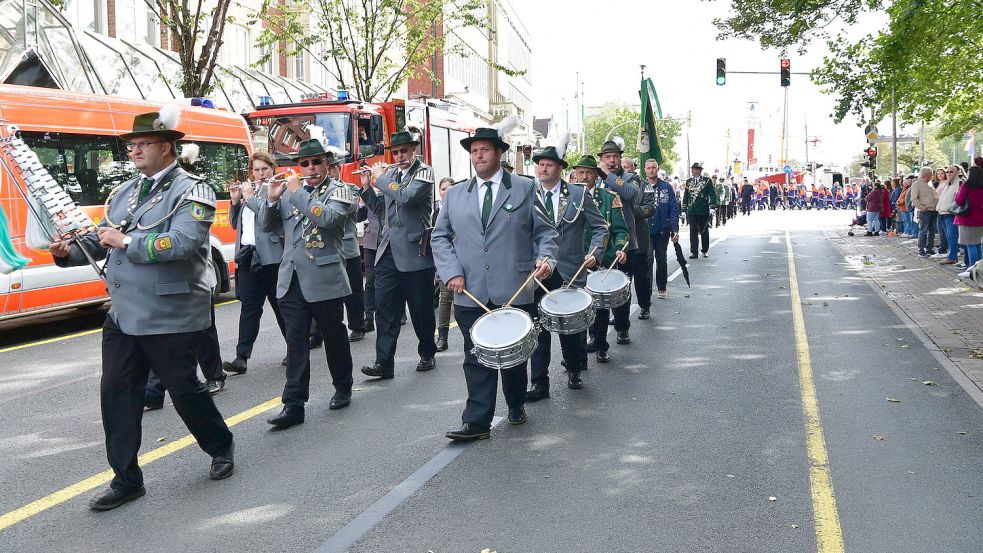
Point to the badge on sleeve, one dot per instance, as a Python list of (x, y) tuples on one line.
[(198, 211), (162, 243), (619, 181), (317, 210), (394, 186)]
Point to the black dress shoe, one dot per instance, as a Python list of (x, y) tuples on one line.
[(705, 254), (603, 357), (316, 342), (538, 391), (356, 336), (378, 371), (152, 404), (694, 256), (441, 339), (468, 433), (623, 337), (573, 381), (215, 386), (517, 415), (109, 499), (340, 400), (426, 364), (223, 465), (289, 416), (643, 314), (238, 366)]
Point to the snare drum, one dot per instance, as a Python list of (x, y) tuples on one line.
[(566, 311), (610, 287), (504, 338)]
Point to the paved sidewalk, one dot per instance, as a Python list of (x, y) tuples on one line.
[(947, 308)]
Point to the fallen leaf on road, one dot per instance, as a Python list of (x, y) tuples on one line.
[(905, 346), (825, 304), (930, 383), (356, 389), (946, 350), (976, 353), (772, 498), (913, 379), (795, 526), (732, 476), (161, 440), (892, 400), (961, 433), (879, 438)]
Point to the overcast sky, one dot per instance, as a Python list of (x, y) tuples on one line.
[(676, 40)]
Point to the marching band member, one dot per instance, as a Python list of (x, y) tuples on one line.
[(312, 284), (697, 199), (155, 236), (404, 267), (488, 238), (354, 302), (609, 204), (571, 211), (257, 257)]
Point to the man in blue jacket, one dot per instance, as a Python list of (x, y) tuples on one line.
[(663, 225)]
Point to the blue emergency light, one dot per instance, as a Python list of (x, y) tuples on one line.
[(342, 95), (265, 101)]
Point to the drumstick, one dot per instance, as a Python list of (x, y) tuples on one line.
[(541, 285), (606, 273), (521, 288), (581, 269), (476, 300)]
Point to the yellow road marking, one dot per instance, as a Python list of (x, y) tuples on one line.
[(76, 335), (829, 534), (64, 494)]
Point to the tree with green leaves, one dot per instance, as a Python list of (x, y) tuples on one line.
[(925, 63), (371, 47), (627, 119), (195, 34)]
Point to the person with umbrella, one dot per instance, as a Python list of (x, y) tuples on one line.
[(663, 224)]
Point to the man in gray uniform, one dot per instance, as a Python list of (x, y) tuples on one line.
[(155, 235), (626, 186), (489, 236), (404, 267), (355, 302), (312, 284), (570, 210)]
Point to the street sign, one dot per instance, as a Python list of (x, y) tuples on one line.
[(870, 131)]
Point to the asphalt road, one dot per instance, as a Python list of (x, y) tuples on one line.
[(692, 439)]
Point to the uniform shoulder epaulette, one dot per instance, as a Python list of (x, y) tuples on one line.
[(425, 174), (342, 194), (200, 192)]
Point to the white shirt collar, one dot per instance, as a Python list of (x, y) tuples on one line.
[(160, 174), (496, 179)]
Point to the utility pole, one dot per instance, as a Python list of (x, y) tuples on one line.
[(894, 137)]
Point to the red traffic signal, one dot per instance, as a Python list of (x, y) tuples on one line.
[(785, 63), (786, 72), (872, 152)]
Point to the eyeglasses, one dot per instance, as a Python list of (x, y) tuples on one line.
[(950, 172), (309, 162), (142, 145), (402, 151)]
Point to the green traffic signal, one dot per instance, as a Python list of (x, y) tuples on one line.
[(721, 71)]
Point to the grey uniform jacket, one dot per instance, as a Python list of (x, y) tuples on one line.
[(573, 217), (644, 208), (496, 261), (626, 186), (269, 245), (159, 284), (408, 208), (349, 242), (370, 237), (313, 225)]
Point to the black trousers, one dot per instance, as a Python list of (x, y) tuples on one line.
[(393, 289), (355, 302), (660, 247), (253, 289), (745, 206), (721, 215), (208, 355), (642, 275), (126, 363), (599, 330), (298, 314), (482, 381), (369, 262), (573, 346), (699, 229)]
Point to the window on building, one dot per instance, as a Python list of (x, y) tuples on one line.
[(87, 15), (272, 62), (300, 65), (236, 46), (137, 22)]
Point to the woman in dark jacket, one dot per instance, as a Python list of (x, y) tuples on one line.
[(875, 204)]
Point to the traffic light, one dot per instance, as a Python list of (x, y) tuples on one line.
[(786, 72), (871, 157), (721, 71)]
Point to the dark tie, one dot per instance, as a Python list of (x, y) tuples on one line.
[(549, 207), (486, 205), (146, 184)]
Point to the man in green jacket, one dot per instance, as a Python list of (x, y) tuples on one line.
[(587, 173), (697, 199)]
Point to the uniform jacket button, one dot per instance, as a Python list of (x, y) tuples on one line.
[(119, 262), (116, 285), (486, 267), (486, 249)]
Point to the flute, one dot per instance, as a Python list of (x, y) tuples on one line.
[(369, 168), (255, 185)]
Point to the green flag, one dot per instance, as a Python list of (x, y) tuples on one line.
[(649, 145)]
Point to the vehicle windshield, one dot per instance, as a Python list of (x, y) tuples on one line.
[(286, 132)]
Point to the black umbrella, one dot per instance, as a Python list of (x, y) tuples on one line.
[(681, 259)]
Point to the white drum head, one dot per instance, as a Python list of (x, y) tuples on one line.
[(566, 301), (501, 328), (606, 281)]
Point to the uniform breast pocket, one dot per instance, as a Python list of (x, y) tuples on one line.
[(327, 259), (172, 287)]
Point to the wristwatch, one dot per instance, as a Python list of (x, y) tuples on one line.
[(126, 241)]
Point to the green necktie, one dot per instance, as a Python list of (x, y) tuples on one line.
[(486, 205), (549, 207), (147, 184)]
